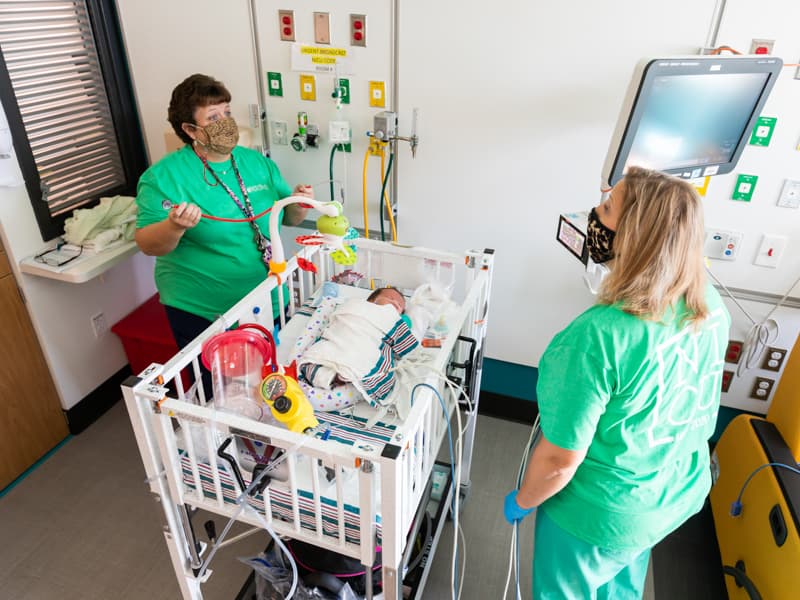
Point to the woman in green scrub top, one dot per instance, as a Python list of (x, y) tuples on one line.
[(628, 397), (204, 266)]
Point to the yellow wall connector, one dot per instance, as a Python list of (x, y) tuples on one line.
[(376, 147)]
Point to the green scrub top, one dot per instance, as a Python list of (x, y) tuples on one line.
[(216, 263), (642, 398)]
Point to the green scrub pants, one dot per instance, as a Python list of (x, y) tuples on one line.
[(567, 568)]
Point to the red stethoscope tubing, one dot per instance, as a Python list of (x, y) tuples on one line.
[(245, 220)]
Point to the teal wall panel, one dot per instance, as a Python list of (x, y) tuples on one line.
[(509, 379)]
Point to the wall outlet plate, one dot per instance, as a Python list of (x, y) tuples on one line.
[(761, 46), (790, 194), (771, 250), (773, 359), (280, 133), (339, 132), (762, 388)]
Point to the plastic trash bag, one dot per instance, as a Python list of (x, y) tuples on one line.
[(274, 581)]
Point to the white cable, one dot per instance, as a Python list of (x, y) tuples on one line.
[(242, 503), (510, 561), (731, 296), (761, 334), (513, 559), (283, 548), (463, 560)]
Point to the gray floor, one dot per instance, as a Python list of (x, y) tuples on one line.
[(84, 526)]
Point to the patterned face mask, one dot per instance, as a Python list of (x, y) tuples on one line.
[(223, 135), (600, 239)]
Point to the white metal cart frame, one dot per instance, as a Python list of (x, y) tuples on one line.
[(400, 469)]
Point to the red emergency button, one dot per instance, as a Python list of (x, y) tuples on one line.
[(358, 25), (358, 36), (287, 31), (287, 20)]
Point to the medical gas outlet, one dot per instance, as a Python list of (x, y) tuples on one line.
[(307, 136), (722, 245)]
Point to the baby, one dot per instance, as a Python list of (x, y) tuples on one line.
[(361, 345)]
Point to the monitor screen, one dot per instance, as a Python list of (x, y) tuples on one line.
[(690, 117)]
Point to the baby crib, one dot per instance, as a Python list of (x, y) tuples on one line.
[(346, 488)]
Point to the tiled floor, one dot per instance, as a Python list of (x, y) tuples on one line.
[(84, 526)]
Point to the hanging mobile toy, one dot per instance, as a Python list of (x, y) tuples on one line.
[(333, 231), (333, 227)]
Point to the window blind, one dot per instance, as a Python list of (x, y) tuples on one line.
[(49, 50)]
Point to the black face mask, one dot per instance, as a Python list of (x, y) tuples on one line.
[(600, 239)]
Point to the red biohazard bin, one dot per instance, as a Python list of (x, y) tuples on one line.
[(146, 335)]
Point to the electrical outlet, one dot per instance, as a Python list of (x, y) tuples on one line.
[(727, 378), (286, 25), (762, 388), (733, 352), (773, 359), (358, 30), (760, 46), (99, 324)]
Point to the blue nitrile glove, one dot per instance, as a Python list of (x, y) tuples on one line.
[(513, 511)]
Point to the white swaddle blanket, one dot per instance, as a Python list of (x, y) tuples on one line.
[(351, 343)]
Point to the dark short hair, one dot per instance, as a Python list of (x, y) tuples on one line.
[(195, 91), (379, 291)]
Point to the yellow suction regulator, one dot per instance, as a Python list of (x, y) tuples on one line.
[(288, 403)]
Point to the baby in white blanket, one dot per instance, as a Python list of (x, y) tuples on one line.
[(361, 345)]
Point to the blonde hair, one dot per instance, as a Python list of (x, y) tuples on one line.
[(658, 248)]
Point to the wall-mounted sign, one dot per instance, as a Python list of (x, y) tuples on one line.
[(321, 59)]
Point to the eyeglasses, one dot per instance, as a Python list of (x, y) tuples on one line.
[(56, 257)]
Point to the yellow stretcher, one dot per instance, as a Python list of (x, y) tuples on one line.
[(760, 547)]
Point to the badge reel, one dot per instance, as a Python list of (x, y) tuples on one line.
[(572, 235)]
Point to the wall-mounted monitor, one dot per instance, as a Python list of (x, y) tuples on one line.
[(690, 117)]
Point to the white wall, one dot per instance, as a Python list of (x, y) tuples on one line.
[(517, 103), (61, 312)]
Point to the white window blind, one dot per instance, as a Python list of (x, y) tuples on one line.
[(50, 53)]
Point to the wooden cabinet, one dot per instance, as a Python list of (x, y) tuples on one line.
[(31, 419)]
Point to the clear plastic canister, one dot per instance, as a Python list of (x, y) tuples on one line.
[(237, 361)]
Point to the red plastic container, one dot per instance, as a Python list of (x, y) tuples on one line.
[(146, 336)]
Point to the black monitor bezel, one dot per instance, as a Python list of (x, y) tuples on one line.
[(641, 86)]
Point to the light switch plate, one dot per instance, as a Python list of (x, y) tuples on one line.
[(771, 250)]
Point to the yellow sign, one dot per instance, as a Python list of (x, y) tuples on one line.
[(308, 88), (701, 185), (377, 94), (315, 50), (323, 60)]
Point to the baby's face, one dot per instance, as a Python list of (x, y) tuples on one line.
[(392, 297)]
